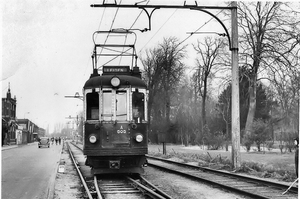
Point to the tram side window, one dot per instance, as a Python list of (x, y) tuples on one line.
[(138, 106), (92, 106)]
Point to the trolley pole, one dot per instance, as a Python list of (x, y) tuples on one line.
[(235, 98)]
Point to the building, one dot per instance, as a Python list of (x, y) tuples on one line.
[(17, 131), (9, 125)]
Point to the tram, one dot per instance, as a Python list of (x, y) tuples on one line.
[(115, 130)]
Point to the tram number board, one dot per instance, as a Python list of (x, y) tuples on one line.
[(115, 69)]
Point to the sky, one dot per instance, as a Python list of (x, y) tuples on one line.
[(47, 46)]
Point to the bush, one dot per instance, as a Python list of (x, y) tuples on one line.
[(270, 145), (265, 171), (215, 141), (247, 167), (247, 140)]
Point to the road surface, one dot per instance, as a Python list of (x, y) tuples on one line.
[(29, 172)]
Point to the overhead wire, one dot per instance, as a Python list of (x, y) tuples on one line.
[(199, 28), (186, 37), (158, 30), (113, 21), (138, 16), (132, 26), (100, 23)]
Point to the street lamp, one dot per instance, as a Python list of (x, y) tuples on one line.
[(75, 96)]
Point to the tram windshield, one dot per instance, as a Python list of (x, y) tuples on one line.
[(114, 106), (114, 103), (121, 105), (107, 114)]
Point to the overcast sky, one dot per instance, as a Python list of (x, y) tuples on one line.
[(47, 46)]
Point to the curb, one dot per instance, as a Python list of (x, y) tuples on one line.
[(9, 147)]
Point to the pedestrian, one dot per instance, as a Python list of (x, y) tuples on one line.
[(59, 140), (296, 142), (52, 140), (56, 140)]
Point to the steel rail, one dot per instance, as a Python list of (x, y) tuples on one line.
[(155, 188), (208, 179), (157, 193), (274, 184), (79, 173), (97, 188), (151, 192)]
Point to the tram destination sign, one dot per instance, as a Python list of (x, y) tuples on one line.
[(116, 69)]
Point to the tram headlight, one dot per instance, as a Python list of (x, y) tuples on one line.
[(115, 81), (139, 138), (93, 139)]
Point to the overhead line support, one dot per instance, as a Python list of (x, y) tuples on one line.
[(156, 7), (233, 46)]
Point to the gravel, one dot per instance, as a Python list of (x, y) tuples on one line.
[(182, 188), (68, 185)]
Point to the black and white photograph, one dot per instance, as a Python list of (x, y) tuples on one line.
[(161, 99)]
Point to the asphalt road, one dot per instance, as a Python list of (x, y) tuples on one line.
[(29, 172)]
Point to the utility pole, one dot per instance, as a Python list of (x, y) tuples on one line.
[(235, 98)]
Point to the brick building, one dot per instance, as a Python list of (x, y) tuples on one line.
[(9, 125), (17, 131)]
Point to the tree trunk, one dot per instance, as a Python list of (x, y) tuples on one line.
[(203, 106), (227, 135), (251, 110)]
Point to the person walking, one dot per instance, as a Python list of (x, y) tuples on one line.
[(59, 140), (56, 140)]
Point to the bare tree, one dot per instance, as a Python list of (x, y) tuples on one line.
[(223, 107), (184, 113), (269, 35), (173, 54), (285, 84), (209, 53), (163, 68)]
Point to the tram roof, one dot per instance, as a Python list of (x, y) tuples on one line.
[(104, 80)]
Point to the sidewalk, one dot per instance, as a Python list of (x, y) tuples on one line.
[(6, 147)]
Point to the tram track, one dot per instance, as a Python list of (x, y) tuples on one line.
[(247, 186), (133, 187), (79, 172), (115, 186)]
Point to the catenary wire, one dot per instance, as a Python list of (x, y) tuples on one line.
[(186, 37), (131, 27), (113, 21), (88, 62), (158, 30), (200, 27)]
